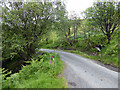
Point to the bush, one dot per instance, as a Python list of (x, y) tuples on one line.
[(39, 74)]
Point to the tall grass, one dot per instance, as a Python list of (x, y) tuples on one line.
[(39, 74)]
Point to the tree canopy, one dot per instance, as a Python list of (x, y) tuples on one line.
[(24, 23), (106, 16)]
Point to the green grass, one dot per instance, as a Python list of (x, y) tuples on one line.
[(39, 74), (107, 55), (106, 59)]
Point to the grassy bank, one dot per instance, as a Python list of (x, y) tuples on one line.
[(108, 54), (39, 74), (97, 58)]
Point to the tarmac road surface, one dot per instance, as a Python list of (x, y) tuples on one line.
[(81, 72)]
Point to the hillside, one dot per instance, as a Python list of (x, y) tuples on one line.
[(107, 55)]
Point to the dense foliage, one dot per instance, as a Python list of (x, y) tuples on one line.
[(27, 26), (39, 74), (24, 24), (106, 16), (107, 55), (100, 26)]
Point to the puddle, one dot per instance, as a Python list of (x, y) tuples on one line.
[(72, 83)]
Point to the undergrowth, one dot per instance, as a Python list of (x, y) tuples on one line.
[(107, 55), (39, 74)]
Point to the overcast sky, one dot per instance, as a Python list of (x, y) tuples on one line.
[(78, 6)]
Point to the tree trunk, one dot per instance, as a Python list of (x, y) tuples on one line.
[(32, 48), (89, 39), (66, 35), (69, 31), (74, 31), (69, 37), (27, 48), (46, 40), (109, 38)]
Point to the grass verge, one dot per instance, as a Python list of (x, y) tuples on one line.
[(39, 74), (108, 54), (105, 61)]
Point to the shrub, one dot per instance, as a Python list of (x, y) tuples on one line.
[(39, 74)]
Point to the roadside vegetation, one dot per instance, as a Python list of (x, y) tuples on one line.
[(95, 36), (108, 54), (24, 25), (29, 26), (39, 73)]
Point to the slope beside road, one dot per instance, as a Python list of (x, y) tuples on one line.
[(81, 72)]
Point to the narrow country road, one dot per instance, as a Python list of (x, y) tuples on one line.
[(81, 72)]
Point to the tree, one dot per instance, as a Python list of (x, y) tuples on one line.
[(75, 23), (61, 24), (106, 16), (23, 26)]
